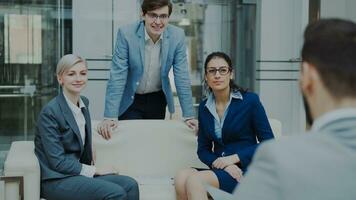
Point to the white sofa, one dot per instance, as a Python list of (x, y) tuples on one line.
[(151, 151)]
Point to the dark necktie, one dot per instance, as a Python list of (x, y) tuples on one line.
[(86, 156)]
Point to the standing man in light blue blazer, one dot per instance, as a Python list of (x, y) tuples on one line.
[(139, 86)]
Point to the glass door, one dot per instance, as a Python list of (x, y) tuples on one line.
[(218, 25), (33, 35)]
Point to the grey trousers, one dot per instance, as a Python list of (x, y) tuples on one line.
[(107, 187)]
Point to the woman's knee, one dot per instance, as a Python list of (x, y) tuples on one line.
[(193, 180), (115, 192), (181, 178), (132, 184)]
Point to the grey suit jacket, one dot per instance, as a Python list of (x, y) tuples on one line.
[(58, 144), (318, 165)]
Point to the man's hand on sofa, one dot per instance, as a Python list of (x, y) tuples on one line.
[(106, 170), (193, 124), (106, 127)]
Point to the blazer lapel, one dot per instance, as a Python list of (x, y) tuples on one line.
[(140, 32), (68, 116), (211, 125), (87, 124), (164, 50), (88, 140)]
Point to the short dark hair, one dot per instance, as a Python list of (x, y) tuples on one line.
[(233, 86), (330, 45), (149, 5)]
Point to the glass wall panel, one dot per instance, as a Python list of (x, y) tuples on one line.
[(33, 35), (217, 25)]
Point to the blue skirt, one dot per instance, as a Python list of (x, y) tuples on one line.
[(226, 182)]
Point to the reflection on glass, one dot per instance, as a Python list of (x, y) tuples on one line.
[(31, 35), (215, 25), (23, 39)]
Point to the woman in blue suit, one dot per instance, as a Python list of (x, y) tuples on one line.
[(231, 120), (63, 145)]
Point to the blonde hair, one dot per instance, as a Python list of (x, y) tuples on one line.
[(68, 61)]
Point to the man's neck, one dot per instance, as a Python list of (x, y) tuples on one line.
[(348, 102), (154, 39)]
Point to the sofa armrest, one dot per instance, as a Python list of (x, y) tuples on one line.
[(21, 161), (12, 181)]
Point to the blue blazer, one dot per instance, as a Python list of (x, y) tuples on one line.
[(127, 69), (246, 119), (58, 144)]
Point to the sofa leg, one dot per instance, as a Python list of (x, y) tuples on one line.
[(10, 179)]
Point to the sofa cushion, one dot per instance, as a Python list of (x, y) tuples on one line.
[(148, 148)]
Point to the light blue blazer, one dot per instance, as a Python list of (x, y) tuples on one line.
[(58, 144), (127, 69)]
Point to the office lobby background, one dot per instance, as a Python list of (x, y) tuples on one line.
[(263, 37)]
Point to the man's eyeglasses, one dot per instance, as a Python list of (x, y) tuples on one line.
[(222, 70), (154, 16)]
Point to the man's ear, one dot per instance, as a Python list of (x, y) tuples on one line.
[(303, 74), (309, 77)]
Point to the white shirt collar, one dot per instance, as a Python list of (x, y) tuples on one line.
[(211, 98), (332, 116), (75, 109), (147, 37)]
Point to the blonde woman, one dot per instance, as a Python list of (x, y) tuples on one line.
[(63, 144)]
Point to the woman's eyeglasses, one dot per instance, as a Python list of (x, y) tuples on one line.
[(222, 71)]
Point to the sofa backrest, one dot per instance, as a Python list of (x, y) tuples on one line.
[(276, 126), (148, 148)]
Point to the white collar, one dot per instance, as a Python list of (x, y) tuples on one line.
[(211, 97), (75, 109)]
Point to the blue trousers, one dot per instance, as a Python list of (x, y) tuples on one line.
[(107, 187)]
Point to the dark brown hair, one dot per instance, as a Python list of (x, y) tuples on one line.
[(149, 5), (330, 45)]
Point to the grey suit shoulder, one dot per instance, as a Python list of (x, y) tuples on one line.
[(309, 166)]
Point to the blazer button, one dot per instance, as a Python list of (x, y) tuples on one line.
[(137, 83), (132, 97)]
